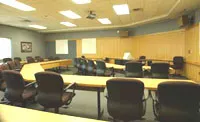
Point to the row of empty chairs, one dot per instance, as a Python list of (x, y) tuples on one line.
[(50, 95), (176, 101), (88, 67), (132, 68)]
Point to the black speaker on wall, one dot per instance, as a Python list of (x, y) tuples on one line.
[(183, 21)]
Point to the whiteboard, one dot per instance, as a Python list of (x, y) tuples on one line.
[(61, 46), (89, 46)]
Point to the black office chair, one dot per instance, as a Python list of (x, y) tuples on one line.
[(119, 61), (125, 61), (57, 58), (91, 69), (2, 82), (107, 59), (5, 60), (177, 102), (16, 90), (79, 65), (101, 69), (17, 58), (39, 59), (142, 60), (84, 65), (178, 63), (17, 61), (125, 99), (160, 70), (133, 69), (51, 92), (30, 60), (50, 58)]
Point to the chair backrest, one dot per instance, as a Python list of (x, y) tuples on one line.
[(119, 61), (142, 57), (11, 65), (178, 61), (91, 66), (100, 67), (160, 70), (57, 58), (50, 89), (179, 101), (17, 59), (50, 58), (107, 59), (4, 67), (30, 59), (15, 85), (125, 98), (83, 64), (5, 60), (133, 69)]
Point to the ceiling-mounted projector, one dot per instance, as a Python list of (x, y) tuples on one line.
[(91, 15)]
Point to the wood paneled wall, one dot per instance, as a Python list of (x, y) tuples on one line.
[(157, 46), (164, 45), (160, 46), (192, 54)]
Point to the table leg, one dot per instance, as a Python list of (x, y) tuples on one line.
[(100, 113)]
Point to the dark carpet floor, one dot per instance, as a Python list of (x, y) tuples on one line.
[(84, 103)]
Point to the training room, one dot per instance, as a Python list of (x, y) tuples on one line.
[(100, 60)]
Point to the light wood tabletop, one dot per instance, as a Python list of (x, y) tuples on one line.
[(122, 67), (17, 114), (28, 70), (96, 81)]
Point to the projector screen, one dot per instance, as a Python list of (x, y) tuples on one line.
[(89, 46), (61, 46)]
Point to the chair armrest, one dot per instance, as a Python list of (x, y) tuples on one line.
[(72, 85), (30, 84)]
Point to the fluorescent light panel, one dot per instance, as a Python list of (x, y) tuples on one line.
[(17, 5), (37, 26), (122, 9), (81, 1), (70, 14), (105, 21), (68, 24)]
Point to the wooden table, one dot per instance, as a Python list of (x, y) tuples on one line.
[(28, 71), (96, 82), (17, 114)]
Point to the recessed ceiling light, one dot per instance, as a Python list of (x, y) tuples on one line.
[(104, 21), (17, 5), (37, 26), (121, 9), (81, 1), (68, 24), (70, 14)]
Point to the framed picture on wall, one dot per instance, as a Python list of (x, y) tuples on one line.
[(26, 47)]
